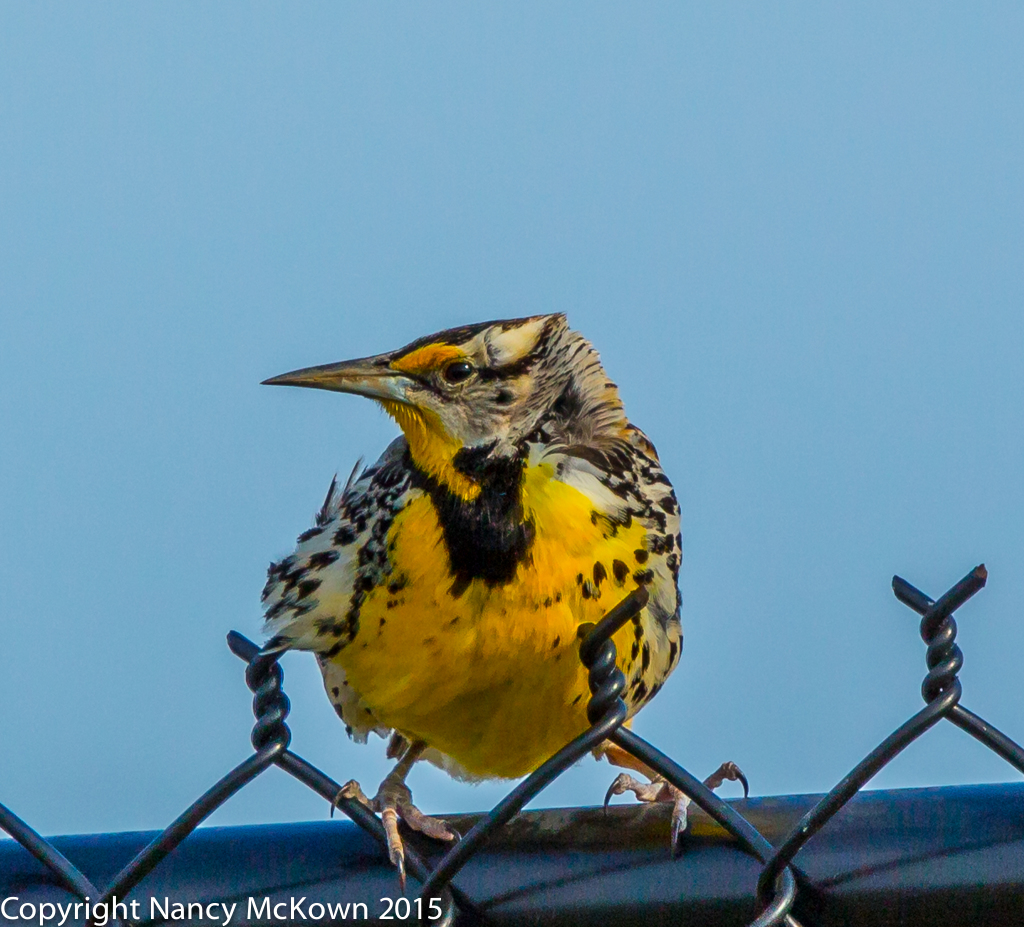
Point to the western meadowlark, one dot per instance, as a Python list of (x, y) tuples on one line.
[(442, 590)]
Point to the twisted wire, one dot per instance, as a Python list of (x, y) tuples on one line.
[(598, 655), (931, 613), (944, 658), (270, 705), (941, 690)]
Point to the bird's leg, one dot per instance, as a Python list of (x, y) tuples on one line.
[(396, 746), (393, 801), (658, 789)]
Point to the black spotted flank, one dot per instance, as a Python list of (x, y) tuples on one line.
[(310, 534), (398, 584), (600, 575), (322, 558), (362, 585), (288, 573), (344, 536), (641, 577), (307, 587), (275, 609), (330, 626), (641, 555), (620, 570)]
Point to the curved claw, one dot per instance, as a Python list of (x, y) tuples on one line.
[(396, 849), (731, 772), (350, 790), (399, 864), (456, 834), (680, 820), (613, 790), (644, 791)]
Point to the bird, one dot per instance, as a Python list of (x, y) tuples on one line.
[(445, 589)]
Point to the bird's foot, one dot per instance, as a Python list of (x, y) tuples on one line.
[(657, 790), (661, 790), (393, 801)]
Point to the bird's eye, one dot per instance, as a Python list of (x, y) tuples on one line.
[(457, 371)]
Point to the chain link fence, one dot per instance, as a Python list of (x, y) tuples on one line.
[(440, 900)]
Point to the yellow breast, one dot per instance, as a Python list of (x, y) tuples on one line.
[(492, 677)]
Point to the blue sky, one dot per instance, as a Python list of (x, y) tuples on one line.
[(794, 232)]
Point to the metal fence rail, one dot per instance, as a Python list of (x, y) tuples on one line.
[(779, 881), (906, 856)]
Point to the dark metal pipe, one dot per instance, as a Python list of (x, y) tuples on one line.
[(911, 856)]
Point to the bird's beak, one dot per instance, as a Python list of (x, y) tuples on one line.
[(368, 376)]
